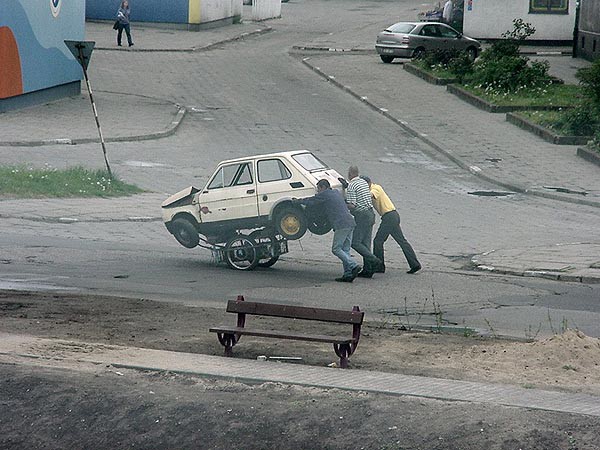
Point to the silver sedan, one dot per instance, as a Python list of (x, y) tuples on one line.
[(413, 39)]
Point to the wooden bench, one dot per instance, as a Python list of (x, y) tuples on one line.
[(344, 346)]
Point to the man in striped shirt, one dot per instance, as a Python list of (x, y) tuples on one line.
[(359, 200)]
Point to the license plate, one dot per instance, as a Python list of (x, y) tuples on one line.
[(387, 50)]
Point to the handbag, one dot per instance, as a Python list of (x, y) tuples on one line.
[(116, 25)]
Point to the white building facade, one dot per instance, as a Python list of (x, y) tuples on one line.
[(554, 20)]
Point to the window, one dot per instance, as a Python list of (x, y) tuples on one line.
[(549, 6), (272, 170), (309, 162), (430, 30), (447, 32), (233, 175), (401, 28)]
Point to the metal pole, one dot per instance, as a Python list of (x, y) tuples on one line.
[(89, 88)]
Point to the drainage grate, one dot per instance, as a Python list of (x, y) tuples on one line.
[(565, 190), (490, 193)]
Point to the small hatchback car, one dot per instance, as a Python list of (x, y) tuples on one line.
[(250, 193), (413, 39)]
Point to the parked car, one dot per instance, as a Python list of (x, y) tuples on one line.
[(250, 193), (413, 39)]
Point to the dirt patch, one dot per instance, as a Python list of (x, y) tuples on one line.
[(568, 362), (57, 403)]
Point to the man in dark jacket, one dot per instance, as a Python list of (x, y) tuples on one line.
[(334, 206)]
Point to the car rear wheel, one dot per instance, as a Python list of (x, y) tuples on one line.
[(185, 232), (290, 222), (472, 53), (419, 53), (386, 58)]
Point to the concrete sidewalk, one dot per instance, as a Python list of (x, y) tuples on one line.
[(19, 349)]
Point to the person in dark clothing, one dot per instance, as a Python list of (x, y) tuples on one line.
[(332, 203), (390, 225), (123, 19)]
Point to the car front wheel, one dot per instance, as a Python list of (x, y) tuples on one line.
[(185, 232), (386, 58), (290, 222)]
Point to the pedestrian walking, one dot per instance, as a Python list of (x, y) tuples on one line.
[(123, 23), (358, 197), (447, 12), (332, 203), (389, 226)]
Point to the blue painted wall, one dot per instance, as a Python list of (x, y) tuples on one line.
[(170, 11), (39, 29)]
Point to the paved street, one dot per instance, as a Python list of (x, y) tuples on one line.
[(180, 102)]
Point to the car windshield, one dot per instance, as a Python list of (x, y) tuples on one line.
[(401, 28), (309, 162)]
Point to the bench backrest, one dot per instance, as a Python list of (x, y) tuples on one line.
[(295, 312)]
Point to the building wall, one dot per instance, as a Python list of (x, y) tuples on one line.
[(588, 42), (488, 19), (181, 12), (33, 56)]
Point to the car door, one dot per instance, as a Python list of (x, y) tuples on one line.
[(429, 37), (230, 194), (449, 38), (277, 180)]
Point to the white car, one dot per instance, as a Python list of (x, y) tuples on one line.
[(250, 193)]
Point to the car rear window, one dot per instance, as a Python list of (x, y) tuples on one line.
[(401, 28), (309, 162)]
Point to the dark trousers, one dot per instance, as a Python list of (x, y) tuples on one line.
[(127, 29), (390, 225), (361, 239)]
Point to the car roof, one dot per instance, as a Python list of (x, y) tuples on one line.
[(266, 155)]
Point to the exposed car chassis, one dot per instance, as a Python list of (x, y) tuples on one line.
[(260, 248)]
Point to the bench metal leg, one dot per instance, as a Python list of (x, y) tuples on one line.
[(343, 351), (228, 341)]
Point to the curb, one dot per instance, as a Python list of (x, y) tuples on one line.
[(411, 68), (190, 49), (438, 147), (171, 129), (333, 49), (69, 220), (589, 155), (480, 103), (544, 132), (539, 274)]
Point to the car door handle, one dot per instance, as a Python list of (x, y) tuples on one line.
[(250, 191), (297, 184)]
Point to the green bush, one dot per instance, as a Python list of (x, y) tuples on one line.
[(585, 119), (502, 69), (582, 120), (455, 61)]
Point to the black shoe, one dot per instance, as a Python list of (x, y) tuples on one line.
[(345, 279), (119, 45), (131, 45), (365, 274), (380, 269), (414, 269), (356, 271)]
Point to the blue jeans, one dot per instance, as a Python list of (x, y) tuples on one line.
[(342, 239)]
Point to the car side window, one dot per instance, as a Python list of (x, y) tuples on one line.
[(234, 174), (272, 170), (447, 32), (429, 30)]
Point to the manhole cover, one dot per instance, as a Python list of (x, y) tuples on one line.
[(491, 193)]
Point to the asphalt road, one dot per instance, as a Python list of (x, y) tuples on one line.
[(253, 96)]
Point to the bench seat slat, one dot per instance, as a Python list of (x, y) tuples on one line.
[(295, 312), (284, 335)]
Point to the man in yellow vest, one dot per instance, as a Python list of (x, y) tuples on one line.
[(390, 225)]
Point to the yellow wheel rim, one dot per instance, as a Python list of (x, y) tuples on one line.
[(290, 225)]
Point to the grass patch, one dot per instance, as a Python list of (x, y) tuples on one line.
[(437, 70), (25, 182), (552, 95), (553, 120)]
